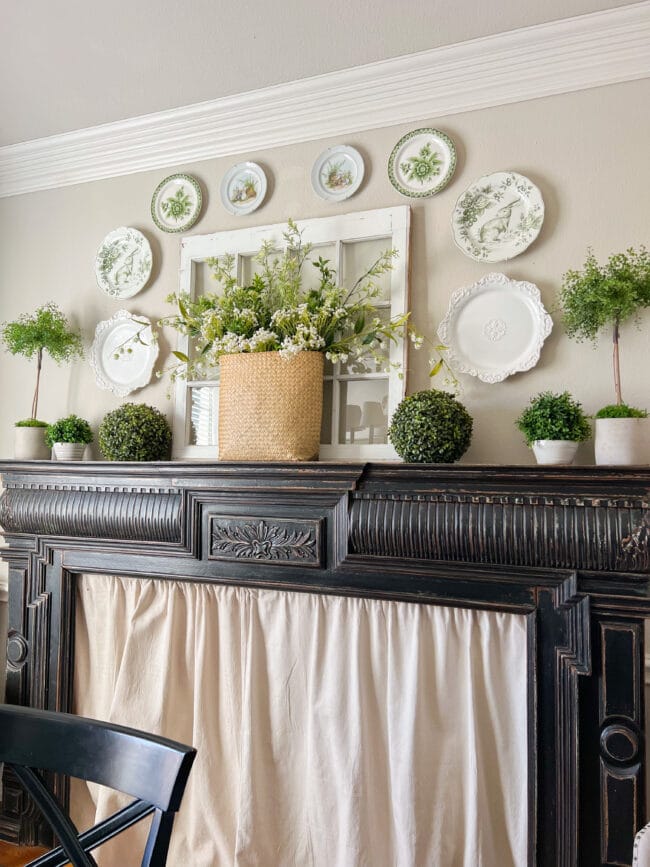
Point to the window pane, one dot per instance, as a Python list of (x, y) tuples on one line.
[(326, 425), (204, 404), (363, 411), (358, 256), (203, 280), (367, 363)]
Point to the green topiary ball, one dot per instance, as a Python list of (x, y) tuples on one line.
[(431, 427), (135, 432)]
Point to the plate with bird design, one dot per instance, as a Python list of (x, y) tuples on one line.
[(498, 217), (123, 263)]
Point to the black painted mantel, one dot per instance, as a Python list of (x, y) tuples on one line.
[(567, 547)]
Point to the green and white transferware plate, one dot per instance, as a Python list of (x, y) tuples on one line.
[(422, 163), (337, 173), (243, 188), (176, 203), (498, 217), (123, 263)]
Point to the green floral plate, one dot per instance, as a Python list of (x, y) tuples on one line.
[(497, 217), (123, 263), (176, 203), (422, 163)]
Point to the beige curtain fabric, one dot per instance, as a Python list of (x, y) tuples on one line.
[(331, 732)]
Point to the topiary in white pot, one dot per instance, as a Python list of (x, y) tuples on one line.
[(554, 425), (622, 435)]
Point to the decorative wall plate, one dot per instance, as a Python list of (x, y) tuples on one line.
[(337, 173), (497, 217), (123, 353), (243, 188), (422, 163), (176, 203), (123, 263), (495, 328)]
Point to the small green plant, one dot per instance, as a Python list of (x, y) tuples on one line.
[(431, 427), (135, 432), (46, 330), (607, 295), (621, 410), (71, 429), (31, 422), (552, 416)]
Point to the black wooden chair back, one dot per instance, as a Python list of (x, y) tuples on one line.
[(151, 769)]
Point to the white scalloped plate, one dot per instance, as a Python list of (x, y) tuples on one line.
[(127, 371), (495, 327)]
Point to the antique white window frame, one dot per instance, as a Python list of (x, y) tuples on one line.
[(392, 224)]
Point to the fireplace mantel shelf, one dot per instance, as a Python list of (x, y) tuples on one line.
[(568, 547)]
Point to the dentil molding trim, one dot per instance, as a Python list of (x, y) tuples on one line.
[(547, 59)]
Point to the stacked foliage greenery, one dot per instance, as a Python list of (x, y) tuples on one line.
[(552, 416), (135, 432), (46, 330), (277, 312), (71, 429), (431, 427), (606, 296)]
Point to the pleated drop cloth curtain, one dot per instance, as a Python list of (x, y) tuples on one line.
[(331, 731)]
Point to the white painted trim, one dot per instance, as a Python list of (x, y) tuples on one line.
[(561, 56)]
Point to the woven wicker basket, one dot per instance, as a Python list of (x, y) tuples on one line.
[(270, 407)]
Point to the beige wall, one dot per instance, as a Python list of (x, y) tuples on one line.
[(587, 152)]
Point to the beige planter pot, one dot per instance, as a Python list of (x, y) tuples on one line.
[(30, 445), (622, 441), (270, 407), (555, 452), (68, 451)]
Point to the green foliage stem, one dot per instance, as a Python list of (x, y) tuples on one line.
[(606, 295), (552, 416), (45, 330)]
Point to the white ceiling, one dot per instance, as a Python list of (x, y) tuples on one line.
[(77, 63)]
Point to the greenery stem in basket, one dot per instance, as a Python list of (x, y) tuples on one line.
[(608, 295), (277, 312), (46, 330)]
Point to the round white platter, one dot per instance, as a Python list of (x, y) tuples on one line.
[(176, 203), (494, 328), (422, 163), (123, 263), (337, 173), (243, 188), (497, 217), (123, 353)]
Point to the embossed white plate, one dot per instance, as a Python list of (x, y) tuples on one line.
[(337, 173), (123, 263), (243, 188), (495, 327), (498, 217), (176, 203), (123, 353)]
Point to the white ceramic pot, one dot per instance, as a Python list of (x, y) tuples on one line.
[(69, 451), (622, 441), (30, 445), (555, 452)]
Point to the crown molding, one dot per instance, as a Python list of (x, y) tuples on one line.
[(548, 59)]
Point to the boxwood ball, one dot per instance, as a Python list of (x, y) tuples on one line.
[(430, 427), (135, 432)]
